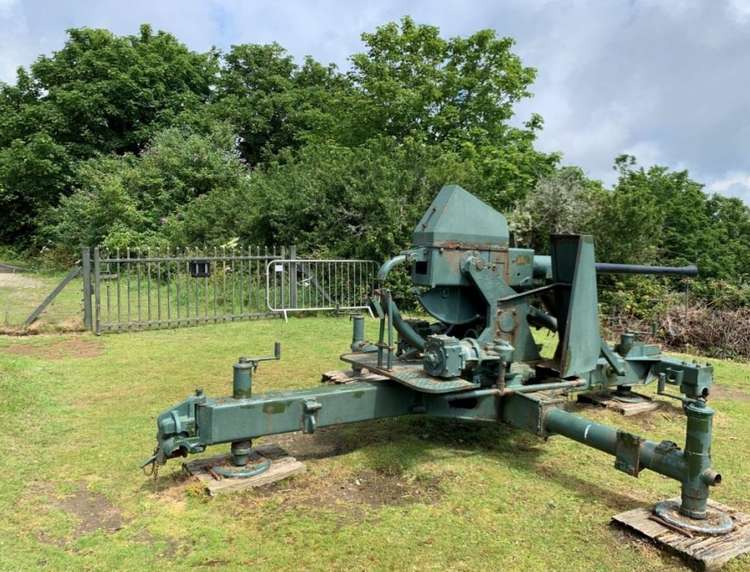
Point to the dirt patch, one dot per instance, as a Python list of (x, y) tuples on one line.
[(73, 347), (347, 496), (93, 511), (14, 280), (324, 443), (728, 393)]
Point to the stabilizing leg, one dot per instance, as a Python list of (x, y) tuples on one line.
[(693, 512), (242, 388), (692, 467)]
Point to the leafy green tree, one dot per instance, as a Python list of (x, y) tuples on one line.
[(99, 94), (415, 81), (131, 198), (273, 103), (111, 94), (34, 173)]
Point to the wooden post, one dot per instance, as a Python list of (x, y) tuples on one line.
[(86, 274)]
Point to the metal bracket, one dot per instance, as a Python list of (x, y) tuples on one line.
[(628, 453), (309, 423), (612, 359)]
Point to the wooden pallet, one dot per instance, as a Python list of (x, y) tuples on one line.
[(610, 402), (282, 466), (702, 551)]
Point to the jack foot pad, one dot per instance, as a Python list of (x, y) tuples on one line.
[(701, 551), (716, 522), (243, 472), (282, 466)]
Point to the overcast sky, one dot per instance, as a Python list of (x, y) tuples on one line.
[(666, 81)]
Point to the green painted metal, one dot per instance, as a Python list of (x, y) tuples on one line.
[(410, 373), (88, 319), (457, 216), (479, 361), (576, 299)]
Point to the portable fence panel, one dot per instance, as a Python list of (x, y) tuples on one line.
[(295, 285), (136, 290)]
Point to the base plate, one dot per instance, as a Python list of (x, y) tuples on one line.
[(410, 374), (705, 552), (282, 466), (715, 523)]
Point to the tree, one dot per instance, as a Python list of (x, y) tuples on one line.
[(564, 202), (135, 198), (99, 94), (415, 81), (273, 103)]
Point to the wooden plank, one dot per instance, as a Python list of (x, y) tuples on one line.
[(621, 407), (702, 551), (9, 268), (349, 376), (282, 467)]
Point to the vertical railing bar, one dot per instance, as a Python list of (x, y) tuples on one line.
[(169, 285), (186, 252), (97, 292), (119, 318), (205, 285), (158, 285), (148, 285), (241, 296), (250, 273), (197, 289), (109, 274), (271, 283), (283, 275), (127, 285), (234, 287), (258, 289), (177, 299), (138, 284), (214, 282)]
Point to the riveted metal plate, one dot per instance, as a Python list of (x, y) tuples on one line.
[(410, 374), (628, 453)]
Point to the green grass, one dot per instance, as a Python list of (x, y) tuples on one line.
[(493, 497), (21, 293)]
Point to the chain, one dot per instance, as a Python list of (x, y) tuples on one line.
[(154, 470)]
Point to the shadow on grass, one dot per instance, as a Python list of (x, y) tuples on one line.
[(395, 446)]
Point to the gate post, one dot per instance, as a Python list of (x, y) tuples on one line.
[(97, 294), (86, 272), (293, 276)]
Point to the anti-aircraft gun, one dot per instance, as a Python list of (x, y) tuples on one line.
[(479, 360)]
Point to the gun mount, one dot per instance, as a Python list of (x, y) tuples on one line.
[(479, 360)]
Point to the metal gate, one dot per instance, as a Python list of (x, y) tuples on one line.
[(295, 285), (137, 290)]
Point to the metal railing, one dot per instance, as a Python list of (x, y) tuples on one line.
[(137, 290), (295, 285)]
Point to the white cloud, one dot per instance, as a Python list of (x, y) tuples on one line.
[(733, 184), (663, 80), (740, 10)]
